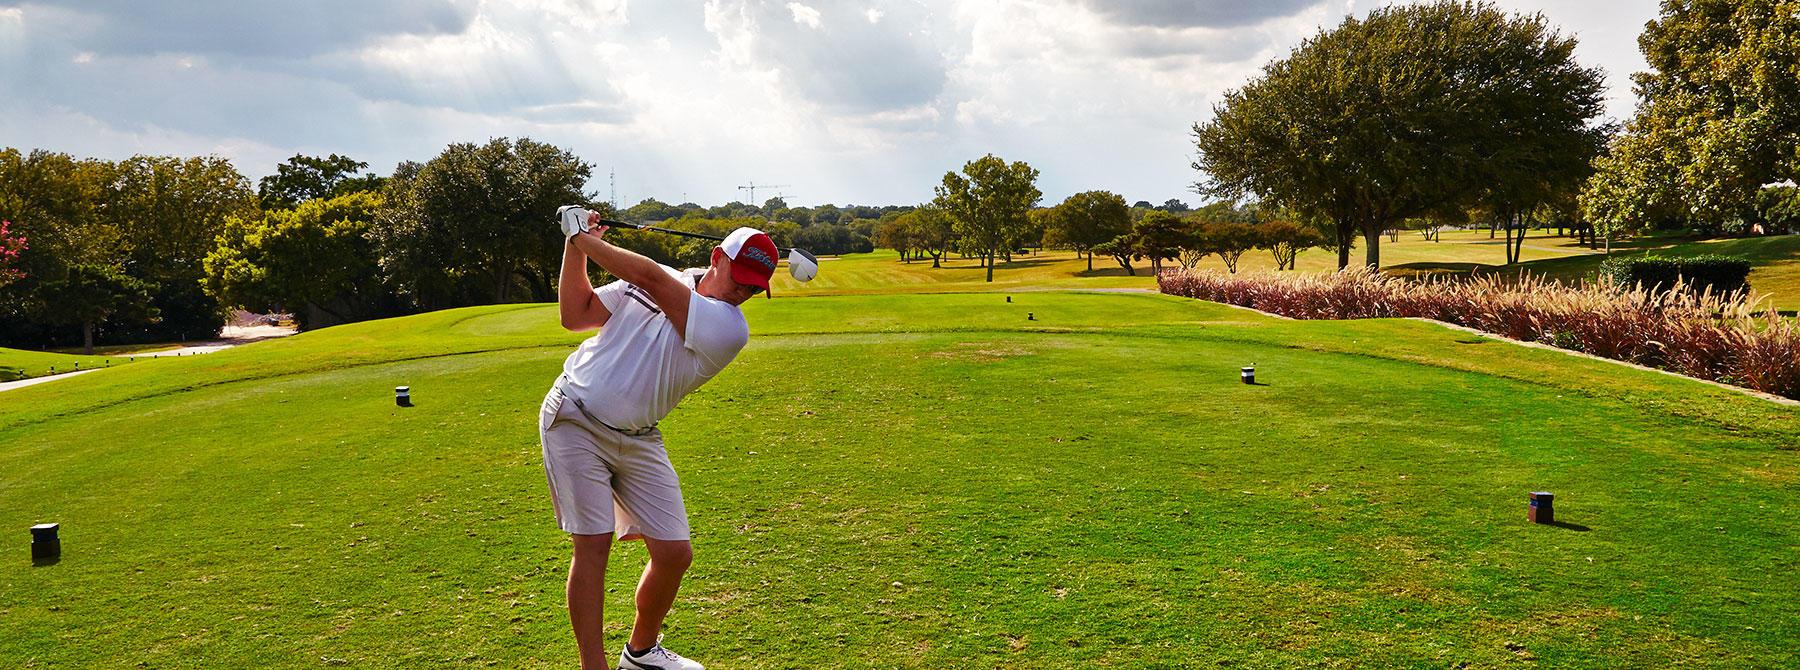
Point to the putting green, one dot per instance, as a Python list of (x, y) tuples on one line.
[(919, 481)]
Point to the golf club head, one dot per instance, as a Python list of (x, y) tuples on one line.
[(802, 264)]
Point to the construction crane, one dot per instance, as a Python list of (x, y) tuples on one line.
[(752, 191)]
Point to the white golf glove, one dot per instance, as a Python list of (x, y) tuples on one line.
[(573, 219)]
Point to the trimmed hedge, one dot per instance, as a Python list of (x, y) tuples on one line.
[(1719, 274)]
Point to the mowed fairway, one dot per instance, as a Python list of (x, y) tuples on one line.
[(918, 481)]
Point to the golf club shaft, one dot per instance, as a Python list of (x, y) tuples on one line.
[(700, 236)]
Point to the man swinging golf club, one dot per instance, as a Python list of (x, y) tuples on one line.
[(662, 334)]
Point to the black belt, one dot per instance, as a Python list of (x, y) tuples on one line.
[(634, 432)]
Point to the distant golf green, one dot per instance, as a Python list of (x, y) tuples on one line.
[(911, 480)]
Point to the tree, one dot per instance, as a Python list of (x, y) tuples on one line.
[(1778, 207), (56, 203), (304, 178), (316, 259), (170, 211), (1038, 223), (1123, 249), (650, 210), (1286, 240), (468, 227), (933, 233), (1718, 118), (1088, 219), (1229, 211), (12, 247), (897, 233), (135, 228), (1158, 236), (87, 295), (1399, 114), (1228, 241), (1173, 206), (988, 205)]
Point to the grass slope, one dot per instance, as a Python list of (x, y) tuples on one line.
[(919, 481), (22, 363)]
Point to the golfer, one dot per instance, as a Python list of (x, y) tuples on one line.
[(662, 334)]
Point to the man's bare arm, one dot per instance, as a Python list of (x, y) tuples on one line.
[(581, 309), (669, 293)]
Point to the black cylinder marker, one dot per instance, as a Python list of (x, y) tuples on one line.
[(45, 546), (403, 396), (1542, 509)]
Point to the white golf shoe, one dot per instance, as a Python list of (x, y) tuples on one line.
[(656, 658)]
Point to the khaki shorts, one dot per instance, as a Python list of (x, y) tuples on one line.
[(604, 481)]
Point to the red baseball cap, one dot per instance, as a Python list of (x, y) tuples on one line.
[(753, 256)]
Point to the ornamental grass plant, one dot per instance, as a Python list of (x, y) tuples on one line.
[(1725, 337)]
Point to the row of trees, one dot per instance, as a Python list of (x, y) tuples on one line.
[(1087, 223), (160, 248), (111, 248), (1187, 240)]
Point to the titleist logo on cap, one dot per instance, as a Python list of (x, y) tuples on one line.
[(758, 255)]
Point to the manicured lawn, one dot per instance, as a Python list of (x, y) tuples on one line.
[(919, 481), (1774, 274), (884, 272), (21, 363)]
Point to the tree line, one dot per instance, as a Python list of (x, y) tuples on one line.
[(158, 248)]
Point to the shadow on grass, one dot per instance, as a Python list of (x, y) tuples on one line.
[(1569, 526), (1423, 268), (1113, 272)]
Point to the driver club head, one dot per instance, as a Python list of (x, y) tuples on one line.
[(802, 264)]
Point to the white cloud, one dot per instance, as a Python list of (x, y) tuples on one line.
[(868, 101), (804, 15)]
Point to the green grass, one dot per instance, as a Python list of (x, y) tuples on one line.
[(21, 363), (883, 272), (1774, 274), (919, 481)]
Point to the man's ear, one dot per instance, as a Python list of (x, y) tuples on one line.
[(718, 253)]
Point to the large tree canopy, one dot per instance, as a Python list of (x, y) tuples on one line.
[(1087, 220), (1414, 109), (989, 205), (467, 227), (303, 178), (316, 260), (1718, 118)]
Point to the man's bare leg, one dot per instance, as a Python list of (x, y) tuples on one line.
[(669, 560), (587, 598)]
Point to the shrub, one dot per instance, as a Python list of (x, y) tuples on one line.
[(1718, 275), (1707, 335)]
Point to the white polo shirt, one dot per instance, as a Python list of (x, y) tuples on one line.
[(634, 371)]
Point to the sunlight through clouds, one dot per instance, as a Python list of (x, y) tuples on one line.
[(853, 101)]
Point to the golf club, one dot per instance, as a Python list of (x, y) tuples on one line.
[(802, 264)]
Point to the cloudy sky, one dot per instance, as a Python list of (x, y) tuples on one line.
[(845, 101)]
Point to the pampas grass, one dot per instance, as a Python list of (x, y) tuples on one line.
[(1723, 338)]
